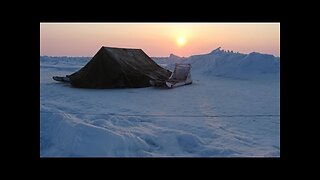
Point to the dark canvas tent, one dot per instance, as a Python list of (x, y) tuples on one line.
[(118, 68)]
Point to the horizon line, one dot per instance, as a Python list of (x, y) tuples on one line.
[(170, 54)]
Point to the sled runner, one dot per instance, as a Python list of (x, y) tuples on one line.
[(61, 79)]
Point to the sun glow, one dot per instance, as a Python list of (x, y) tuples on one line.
[(181, 41), (159, 39)]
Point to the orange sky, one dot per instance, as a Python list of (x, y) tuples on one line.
[(159, 39)]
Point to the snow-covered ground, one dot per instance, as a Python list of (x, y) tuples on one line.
[(231, 110)]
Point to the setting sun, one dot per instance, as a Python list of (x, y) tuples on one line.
[(159, 39), (181, 41)]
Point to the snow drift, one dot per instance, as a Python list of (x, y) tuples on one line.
[(227, 63)]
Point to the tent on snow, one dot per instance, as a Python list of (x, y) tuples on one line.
[(117, 68)]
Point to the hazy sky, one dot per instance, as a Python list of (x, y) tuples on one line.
[(159, 39)]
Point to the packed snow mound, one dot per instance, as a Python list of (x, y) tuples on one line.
[(168, 62), (228, 63), (216, 50), (173, 57), (66, 135)]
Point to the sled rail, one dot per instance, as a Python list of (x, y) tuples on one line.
[(61, 78)]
